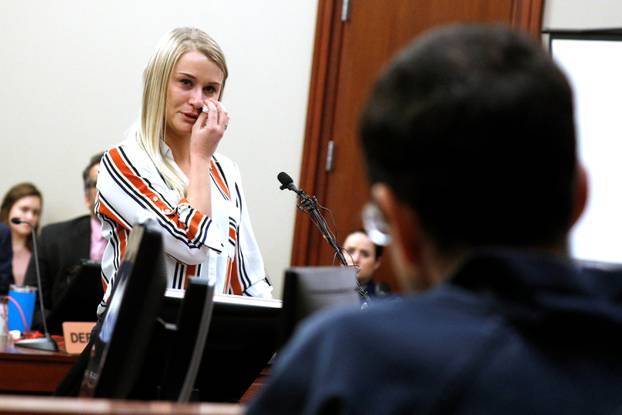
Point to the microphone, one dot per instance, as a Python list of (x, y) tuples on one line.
[(286, 180), (42, 343), (287, 183), (305, 203)]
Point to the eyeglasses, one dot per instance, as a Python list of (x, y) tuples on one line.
[(375, 224)]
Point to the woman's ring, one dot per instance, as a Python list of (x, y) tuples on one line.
[(205, 109)]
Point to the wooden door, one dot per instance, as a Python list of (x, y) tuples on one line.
[(354, 39)]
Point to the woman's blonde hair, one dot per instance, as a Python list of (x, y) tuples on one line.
[(155, 83)]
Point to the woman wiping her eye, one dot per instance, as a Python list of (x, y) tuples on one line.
[(168, 169)]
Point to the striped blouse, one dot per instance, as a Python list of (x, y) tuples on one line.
[(222, 247)]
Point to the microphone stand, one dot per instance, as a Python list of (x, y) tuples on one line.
[(309, 205), (46, 342)]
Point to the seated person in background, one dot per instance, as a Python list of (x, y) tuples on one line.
[(361, 252), (23, 201), (63, 246), (6, 257), (469, 144)]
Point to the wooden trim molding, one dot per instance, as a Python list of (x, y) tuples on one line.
[(322, 92)]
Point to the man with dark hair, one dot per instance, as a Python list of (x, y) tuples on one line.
[(63, 246), (469, 143)]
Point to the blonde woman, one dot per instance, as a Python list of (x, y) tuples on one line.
[(168, 169)]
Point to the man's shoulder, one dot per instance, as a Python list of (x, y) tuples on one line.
[(55, 227), (408, 348), (443, 314), (5, 233)]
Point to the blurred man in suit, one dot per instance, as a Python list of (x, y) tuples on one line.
[(469, 144), (6, 257), (63, 246)]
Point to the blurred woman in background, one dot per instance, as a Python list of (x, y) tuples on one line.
[(366, 256), (24, 202)]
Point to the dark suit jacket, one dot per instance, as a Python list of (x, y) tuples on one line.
[(6, 259), (62, 247)]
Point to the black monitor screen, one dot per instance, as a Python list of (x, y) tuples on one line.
[(125, 331), (80, 300), (309, 289), (242, 338), (189, 337)]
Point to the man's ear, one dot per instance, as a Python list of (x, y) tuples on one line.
[(406, 242), (86, 199), (581, 193)]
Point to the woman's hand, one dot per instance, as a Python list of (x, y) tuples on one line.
[(208, 130), (206, 134)]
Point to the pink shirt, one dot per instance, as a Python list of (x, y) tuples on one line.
[(98, 242)]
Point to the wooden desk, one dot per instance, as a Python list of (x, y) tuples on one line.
[(261, 380), (33, 372), (26, 371), (30, 405)]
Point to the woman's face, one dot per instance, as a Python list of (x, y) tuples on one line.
[(28, 209), (194, 80), (360, 251)]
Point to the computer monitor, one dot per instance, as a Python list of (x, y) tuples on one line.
[(310, 289), (150, 344), (243, 336), (80, 300), (121, 343), (171, 362), (190, 335)]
